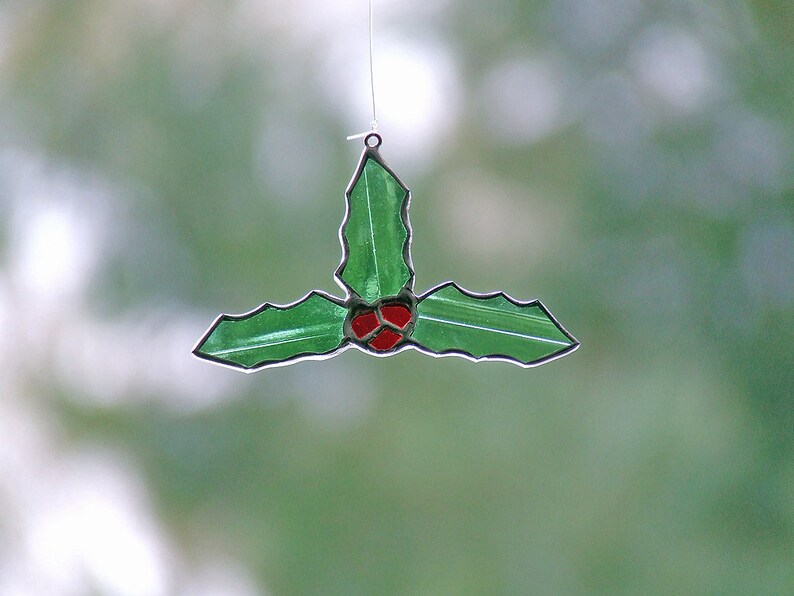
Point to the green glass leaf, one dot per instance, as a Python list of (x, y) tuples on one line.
[(451, 320), (271, 334), (375, 234)]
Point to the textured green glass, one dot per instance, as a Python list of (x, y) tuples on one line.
[(376, 268), (312, 327), (375, 234), (450, 320)]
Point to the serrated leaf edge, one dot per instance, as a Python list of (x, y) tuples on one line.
[(374, 154), (344, 345), (573, 346)]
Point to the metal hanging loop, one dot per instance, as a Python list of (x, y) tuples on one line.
[(373, 140)]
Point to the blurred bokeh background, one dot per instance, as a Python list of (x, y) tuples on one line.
[(628, 162)]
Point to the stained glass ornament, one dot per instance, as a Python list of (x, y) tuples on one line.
[(380, 313)]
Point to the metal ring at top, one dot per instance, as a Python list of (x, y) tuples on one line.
[(378, 140)]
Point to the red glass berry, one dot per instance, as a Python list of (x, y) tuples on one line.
[(385, 340), (396, 314), (365, 324)]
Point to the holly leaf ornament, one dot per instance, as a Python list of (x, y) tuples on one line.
[(380, 313)]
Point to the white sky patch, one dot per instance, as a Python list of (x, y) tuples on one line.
[(524, 99), (97, 530), (79, 520), (146, 355), (75, 522), (57, 241), (417, 93), (416, 79), (54, 254), (221, 578), (27, 432), (6, 316), (676, 68)]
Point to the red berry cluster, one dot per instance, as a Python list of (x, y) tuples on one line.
[(384, 328)]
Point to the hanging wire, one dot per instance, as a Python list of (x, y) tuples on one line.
[(372, 69), (374, 123)]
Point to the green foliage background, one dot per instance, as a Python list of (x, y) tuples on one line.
[(655, 460)]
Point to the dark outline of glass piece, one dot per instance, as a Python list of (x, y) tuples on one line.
[(355, 305), (344, 345), (372, 152)]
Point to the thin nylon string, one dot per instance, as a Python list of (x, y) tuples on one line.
[(372, 68), (374, 123)]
